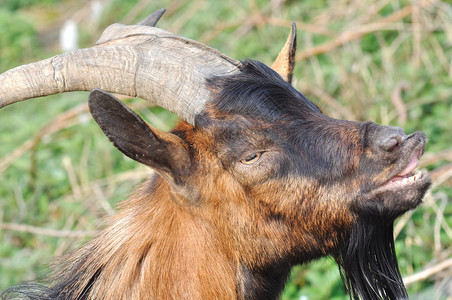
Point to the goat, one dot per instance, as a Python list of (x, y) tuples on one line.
[(252, 181)]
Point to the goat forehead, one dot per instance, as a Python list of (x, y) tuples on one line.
[(258, 93)]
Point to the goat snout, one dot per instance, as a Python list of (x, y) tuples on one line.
[(390, 138), (384, 138)]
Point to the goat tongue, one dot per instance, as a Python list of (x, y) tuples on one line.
[(414, 161)]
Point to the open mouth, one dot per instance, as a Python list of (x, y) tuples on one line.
[(408, 175), (404, 187)]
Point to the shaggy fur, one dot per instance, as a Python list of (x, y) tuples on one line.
[(263, 182)]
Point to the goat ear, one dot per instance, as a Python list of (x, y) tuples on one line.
[(285, 62), (163, 151)]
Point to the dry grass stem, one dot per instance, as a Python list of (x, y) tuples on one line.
[(302, 27), (75, 187), (135, 11), (429, 159), (397, 101), (401, 223), (428, 272), (58, 123), (187, 16), (357, 33), (416, 35), (45, 231)]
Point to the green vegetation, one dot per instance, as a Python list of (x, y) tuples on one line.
[(385, 61)]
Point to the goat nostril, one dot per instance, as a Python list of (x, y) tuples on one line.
[(387, 138), (392, 144)]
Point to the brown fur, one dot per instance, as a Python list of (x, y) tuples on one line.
[(262, 181), (159, 248)]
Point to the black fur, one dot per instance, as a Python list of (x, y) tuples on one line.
[(263, 283), (307, 136), (258, 95), (368, 262)]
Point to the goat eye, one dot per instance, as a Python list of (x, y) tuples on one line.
[(251, 158)]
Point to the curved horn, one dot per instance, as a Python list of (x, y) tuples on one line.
[(137, 60)]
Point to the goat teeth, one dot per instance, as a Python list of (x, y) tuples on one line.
[(405, 180), (417, 175)]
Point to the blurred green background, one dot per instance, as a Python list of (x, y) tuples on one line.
[(389, 61)]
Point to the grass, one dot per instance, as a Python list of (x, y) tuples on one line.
[(385, 61)]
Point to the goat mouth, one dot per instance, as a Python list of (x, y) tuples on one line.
[(405, 179), (404, 188), (408, 175)]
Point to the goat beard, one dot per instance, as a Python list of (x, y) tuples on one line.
[(368, 261)]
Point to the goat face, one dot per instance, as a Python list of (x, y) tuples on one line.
[(319, 185), (284, 151), (282, 184), (256, 177)]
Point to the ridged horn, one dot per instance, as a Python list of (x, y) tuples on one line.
[(137, 61)]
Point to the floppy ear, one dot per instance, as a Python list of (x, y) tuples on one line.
[(162, 151), (285, 62)]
